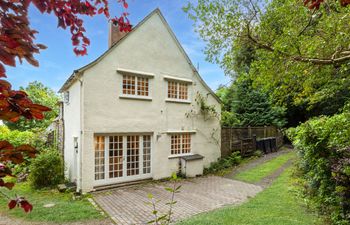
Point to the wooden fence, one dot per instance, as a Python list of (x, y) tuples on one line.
[(244, 139)]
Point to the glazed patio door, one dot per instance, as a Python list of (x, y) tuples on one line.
[(122, 158)]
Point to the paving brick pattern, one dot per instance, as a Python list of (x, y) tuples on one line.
[(128, 205)]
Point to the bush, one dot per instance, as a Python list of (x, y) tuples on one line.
[(224, 163), (47, 169), (323, 145), (17, 137)]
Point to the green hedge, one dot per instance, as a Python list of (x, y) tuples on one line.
[(323, 145)]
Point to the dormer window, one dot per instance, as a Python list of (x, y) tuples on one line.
[(135, 84)]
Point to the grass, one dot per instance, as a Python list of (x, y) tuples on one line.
[(65, 210), (275, 205), (263, 170)]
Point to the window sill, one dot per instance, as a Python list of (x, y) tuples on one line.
[(181, 131), (135, 97), (179, 155), (178, 101)]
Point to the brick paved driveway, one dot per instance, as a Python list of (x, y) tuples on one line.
[(127, 205)]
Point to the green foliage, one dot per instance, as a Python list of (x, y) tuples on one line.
[(18, 138), (65, 211), (224, 163), (279, 43), (39, 94), (265, 169), (249, 106), (47, 169), (323, 146)]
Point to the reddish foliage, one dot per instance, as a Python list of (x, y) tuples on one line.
[(14, 155), (17, 41), (14, 104), (20, 201), (315, 4)]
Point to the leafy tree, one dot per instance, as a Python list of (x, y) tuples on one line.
[(17, 41), (253, 106), (41, 95), (301, 56)]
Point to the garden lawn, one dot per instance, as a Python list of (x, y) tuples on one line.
[(275, 205), (65, 209), (265, 169)]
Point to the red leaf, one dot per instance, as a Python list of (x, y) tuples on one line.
[(5, 145), (7, 58), (100, 11), (41, 46), (12, 204), (2, 71), (4, 85), (26, 206), (8, 185), (125, 5)]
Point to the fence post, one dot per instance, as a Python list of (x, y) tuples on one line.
[(264, 131), (250, 131)]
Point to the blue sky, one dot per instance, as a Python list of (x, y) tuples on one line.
[(58, 61)]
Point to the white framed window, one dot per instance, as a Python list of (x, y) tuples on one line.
[(177, 90), (122, 157), (135, 85), (180, 144), (66, 97)]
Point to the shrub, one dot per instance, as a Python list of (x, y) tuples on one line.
[(17, 137), (224, 163), (323, 145), (47, 169)]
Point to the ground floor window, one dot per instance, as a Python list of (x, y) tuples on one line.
[(122, 156), (180, 143)]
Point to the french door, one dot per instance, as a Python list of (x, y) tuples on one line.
[(121, 158)]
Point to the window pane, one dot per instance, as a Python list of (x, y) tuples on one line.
[(186, 143), (115, 156), (142, 86), (146, 154), (132, 158), (183, 91), (99, 157), (172, 89), (175, 144), (129, 84)]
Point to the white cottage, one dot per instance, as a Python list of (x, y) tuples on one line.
[(132, 113)]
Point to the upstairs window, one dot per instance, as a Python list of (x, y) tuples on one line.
[(66, 97), (180, 144), (134, 85), (177, 90)]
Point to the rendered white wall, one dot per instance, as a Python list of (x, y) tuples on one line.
[(72, 129), (150, 48)]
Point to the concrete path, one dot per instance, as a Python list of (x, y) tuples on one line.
[(128, 205)]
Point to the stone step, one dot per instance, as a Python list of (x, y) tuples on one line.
[(118, 185)]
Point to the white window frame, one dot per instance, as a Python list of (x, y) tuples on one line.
[(178, 80), (66, 97), (181, 138), (107, 180), (137, 75)]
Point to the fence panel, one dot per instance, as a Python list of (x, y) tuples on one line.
[(244, 139)]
